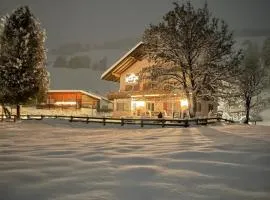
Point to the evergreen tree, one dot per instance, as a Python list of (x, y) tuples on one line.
[(192, 52), (22, 66)]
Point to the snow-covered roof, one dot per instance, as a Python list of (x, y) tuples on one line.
[(108, 74), (83, 92)]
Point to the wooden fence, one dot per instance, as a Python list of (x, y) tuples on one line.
[(122, 121)]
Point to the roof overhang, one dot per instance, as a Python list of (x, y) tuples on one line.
[(114, 72)]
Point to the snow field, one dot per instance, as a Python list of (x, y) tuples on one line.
[(56, 160)]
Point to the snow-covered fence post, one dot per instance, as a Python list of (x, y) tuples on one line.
[(186, 123), (163, 122), (104, 121)]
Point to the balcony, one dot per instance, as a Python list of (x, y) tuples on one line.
[(141, 93)]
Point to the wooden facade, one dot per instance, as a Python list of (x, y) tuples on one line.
[(71, 99), (140, 98)]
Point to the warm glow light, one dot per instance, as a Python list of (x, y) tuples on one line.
[(152, 95), (136, 96), (184, 103), (131, 78), (147, 95), (65, 103), (137, 104), (140, 103)]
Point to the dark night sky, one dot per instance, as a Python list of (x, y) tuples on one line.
[(105, 20), (99, 21)]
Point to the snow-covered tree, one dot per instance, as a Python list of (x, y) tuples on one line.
[(266, 53), (254, 77), (192, 51), (22, 66)]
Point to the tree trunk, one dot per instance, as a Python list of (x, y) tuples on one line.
[(2, 115), (18, 108), (248, 101), (6, 112), (189, 104), (194, 105)]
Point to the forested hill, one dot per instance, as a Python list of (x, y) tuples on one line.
[(79, 66)]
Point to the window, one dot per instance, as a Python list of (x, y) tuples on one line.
[(128, 87), (132, 87), (131, 78), (148, 86), (136, 87), (150, 106), (122, 107)]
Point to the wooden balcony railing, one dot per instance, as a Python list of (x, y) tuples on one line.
[(128, 94)]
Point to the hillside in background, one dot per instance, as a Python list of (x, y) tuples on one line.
[(79, 66)]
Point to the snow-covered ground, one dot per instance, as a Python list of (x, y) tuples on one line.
[(266, 117), (66, 112), (56, 160)]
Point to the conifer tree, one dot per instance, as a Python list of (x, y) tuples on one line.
[(23, 75)]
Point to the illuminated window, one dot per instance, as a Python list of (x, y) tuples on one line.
[(137, 104), (184, 103), (131, 78)]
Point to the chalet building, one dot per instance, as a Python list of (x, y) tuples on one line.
[(141, 98), (75, 99)]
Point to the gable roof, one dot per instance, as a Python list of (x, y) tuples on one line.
[(99, 97), (113, 72)]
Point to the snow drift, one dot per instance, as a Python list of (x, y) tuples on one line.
[(63, 161)]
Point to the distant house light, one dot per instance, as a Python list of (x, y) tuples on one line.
[(65, 103)]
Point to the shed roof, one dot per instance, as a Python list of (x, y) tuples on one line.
[(96, 96)]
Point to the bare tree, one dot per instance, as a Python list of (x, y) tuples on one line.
[(192, 52), (254, 77)]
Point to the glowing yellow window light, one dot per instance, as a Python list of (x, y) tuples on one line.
[(137, 104), (184, 103), (140, 103), (131, 78)]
